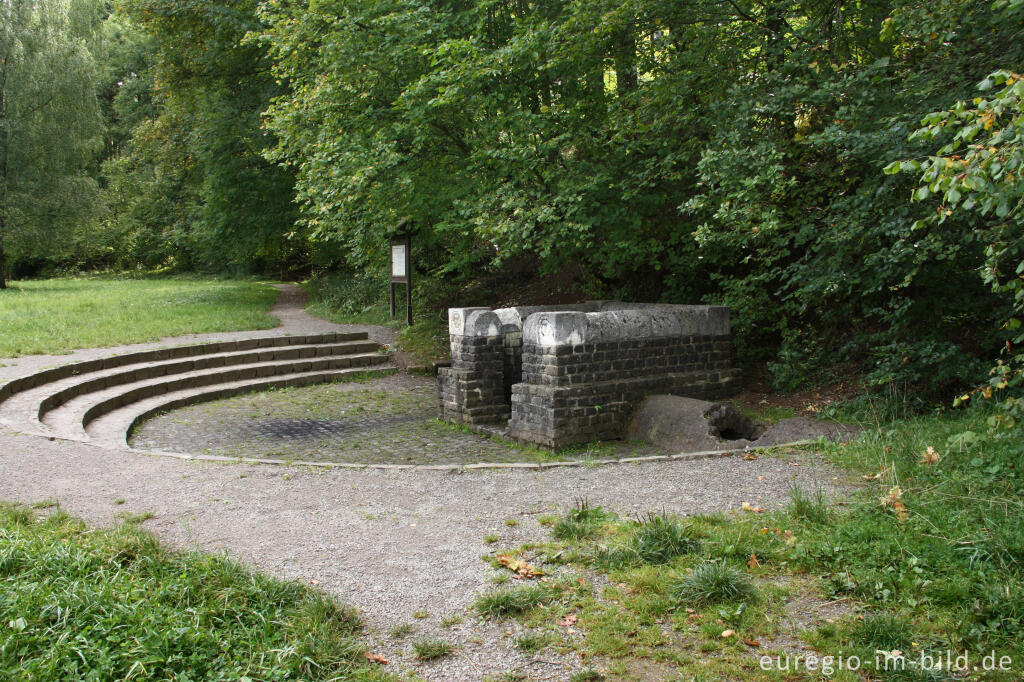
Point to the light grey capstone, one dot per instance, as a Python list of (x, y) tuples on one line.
[(482, 323), (457, 319), (556, 329)]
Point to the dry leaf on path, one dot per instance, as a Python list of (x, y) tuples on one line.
[(930, 456), (751, 642), (375, 658), (747, 507), (728, 633), (518, 566), (568, 620)]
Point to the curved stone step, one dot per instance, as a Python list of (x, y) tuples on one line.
[(71, 419), (60, 392), (52, 374), (113, 429)]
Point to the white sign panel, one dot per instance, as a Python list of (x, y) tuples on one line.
[(398, 260)]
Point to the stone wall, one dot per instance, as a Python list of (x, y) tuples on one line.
[(472, 390), (562, 377)]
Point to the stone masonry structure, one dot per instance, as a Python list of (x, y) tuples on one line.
[(575, 373)]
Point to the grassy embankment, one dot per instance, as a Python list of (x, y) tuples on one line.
[(925, 557), (59, 315), (114, 604)]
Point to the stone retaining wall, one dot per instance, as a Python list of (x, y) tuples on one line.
[(575, 373)]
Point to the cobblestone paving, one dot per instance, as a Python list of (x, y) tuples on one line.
[(389, 420)]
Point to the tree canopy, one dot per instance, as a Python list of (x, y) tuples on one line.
[(726, 151)]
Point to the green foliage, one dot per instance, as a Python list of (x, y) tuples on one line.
[(729, 153), (580, 523), (980, 170), (115, 604), (661, 538), (50, 127), (713, 582), (809, 507), (432, 649), (513, 601)]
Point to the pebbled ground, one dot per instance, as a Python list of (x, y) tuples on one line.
[(390, 542)]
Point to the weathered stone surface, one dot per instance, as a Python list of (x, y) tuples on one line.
[(457, 320), (575, 373)]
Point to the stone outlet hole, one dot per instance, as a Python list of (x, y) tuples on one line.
[(727, 423)]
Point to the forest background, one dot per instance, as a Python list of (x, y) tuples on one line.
[(845, 175)]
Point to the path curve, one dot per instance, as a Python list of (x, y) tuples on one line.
[(388, 542)]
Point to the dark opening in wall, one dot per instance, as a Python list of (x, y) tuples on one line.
[(727, 423)]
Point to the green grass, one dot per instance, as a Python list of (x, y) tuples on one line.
[(59, 315), (77, 603), (432, 649), (513, 601), (941, 570), (713, 582)]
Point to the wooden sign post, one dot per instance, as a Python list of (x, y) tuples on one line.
[(401, 267)]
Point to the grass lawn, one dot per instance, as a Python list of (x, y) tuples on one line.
[(57, 315), (113, 604), (926, 558)]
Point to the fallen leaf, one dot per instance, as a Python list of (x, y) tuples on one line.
[(760, 478), (375, 658), (518, 566), (874, 477), (930, 456), (894, 501), (568, 620), (728, 633), (749, 457), (752, 562), (747, 507), (790, 538), (751, 642)]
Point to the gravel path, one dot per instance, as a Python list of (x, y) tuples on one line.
[(388, 542)]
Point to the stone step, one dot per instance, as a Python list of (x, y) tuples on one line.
[(70, 419), (57, 393), (172, 353), (114, 427)]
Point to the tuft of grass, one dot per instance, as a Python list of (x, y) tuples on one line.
[(661, 538), (713, 582), (809, 507), (420, 614), (512, 601), (48, 503), (491, 538), (530, 642), (93, 604), (432, 649), (511, 523), (883, 630), (401, 630), (59, 315), (580, 523), (586, 675), (450, 620)]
